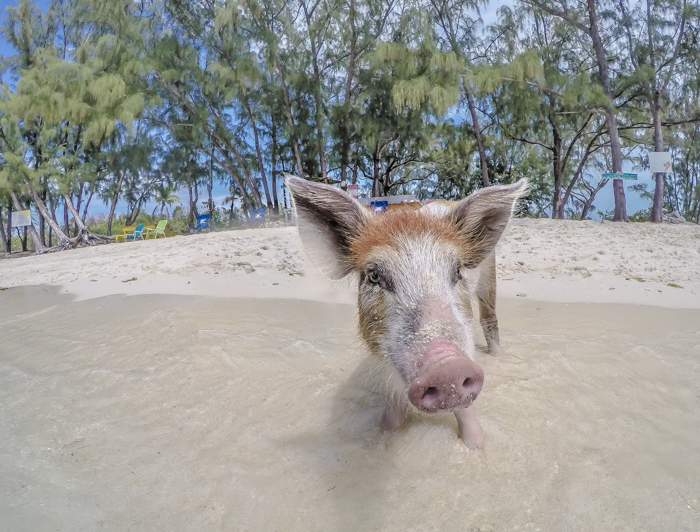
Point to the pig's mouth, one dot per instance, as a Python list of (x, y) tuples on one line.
[(446, 383)]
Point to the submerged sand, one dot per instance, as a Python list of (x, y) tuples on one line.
[(157, 412), (215, 382)]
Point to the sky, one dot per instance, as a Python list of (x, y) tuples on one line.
[(604, 199)]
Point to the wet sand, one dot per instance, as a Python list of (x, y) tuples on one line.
[(165, 412)]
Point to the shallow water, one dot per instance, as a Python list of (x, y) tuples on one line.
[(186, 413)]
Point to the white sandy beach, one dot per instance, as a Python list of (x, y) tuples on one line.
[(215, 382)]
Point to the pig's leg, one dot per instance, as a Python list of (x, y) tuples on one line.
[(469, 428), (486, 294), (394, 415)]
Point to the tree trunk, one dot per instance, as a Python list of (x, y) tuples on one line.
[(290, 118), (257, 199), (63, 240), (87, 203), (376, 190), (3, 236), (79, 197), (557, 168), (77, 220), (42, 222), (9, 225), (84, 235), (273, 178), (193, 207), (317, 98), (66, 226), (258, 153), (38, 246), (587, 204), (483, 161), (657, 207), (615, 145), (345, 126), (113, 205)]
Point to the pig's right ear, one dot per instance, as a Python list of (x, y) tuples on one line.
[(328, 221), (482, 217)]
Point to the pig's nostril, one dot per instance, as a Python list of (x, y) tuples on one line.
[(466, 382), (430, 392)]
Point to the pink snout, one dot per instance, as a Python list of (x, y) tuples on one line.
[(446, 384)]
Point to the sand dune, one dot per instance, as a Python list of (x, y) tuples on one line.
[(222, 390)]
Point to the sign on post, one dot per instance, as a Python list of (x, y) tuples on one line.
[(620, 175), (21, 218), (660, 162), (354, 191)]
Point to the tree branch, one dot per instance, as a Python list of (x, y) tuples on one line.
[(561, 14)]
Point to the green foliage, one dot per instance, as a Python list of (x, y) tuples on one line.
[(152, 103)]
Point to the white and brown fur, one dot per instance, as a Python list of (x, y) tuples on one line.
[(419, 273)]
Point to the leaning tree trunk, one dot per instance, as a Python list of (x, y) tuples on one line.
[(84, 235), (38, 245), (64, 242), (589, 202)]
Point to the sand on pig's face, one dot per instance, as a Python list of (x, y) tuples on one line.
[(186, 413)]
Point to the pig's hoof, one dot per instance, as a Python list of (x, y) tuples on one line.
[(393, 416), (469, 429), (474, 441), (495, 350)]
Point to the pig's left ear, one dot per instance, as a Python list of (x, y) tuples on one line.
[(328, 221), (482, 217)]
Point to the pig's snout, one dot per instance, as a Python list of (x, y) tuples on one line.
[(446, 384)]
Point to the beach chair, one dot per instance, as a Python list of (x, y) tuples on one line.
[(138, 233), (159, 230), (202, 223)]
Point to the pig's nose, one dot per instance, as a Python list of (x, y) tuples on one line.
[(446, 384)]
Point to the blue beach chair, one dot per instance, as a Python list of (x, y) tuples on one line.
[(202, 223), (138, 233), (256, 217)]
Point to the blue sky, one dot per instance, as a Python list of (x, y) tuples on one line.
[(604, 199)]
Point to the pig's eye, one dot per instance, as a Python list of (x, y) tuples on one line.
[(373, 277), (457, 274)]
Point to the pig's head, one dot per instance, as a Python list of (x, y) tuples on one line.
[(414, 288)]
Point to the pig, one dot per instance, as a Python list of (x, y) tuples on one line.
[(419, 273)]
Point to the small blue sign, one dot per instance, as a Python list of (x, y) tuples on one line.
[(620, 175)]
